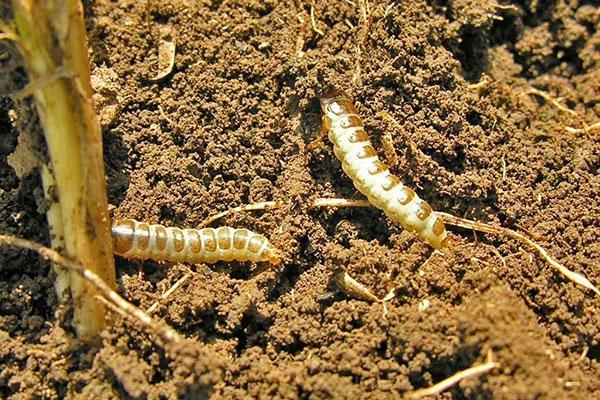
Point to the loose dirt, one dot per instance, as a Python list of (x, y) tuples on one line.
[(229, 126)]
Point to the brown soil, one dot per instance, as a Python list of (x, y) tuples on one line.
[(230, 125)]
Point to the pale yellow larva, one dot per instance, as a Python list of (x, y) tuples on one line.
[(133, 239), (372, 177)]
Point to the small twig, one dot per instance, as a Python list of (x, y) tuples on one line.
[(389, 8), (148, 10), (454, 379), (404, 135), (129, 310), (509, 8), (483, 82), (352, 287), (388, 148), (299, 46), (112, 306), (582, 355), (367, 18), (532, 235)]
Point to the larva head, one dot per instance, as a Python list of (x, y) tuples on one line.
[(331, 95), (335, 103)]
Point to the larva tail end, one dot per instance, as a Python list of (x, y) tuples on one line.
[(123, 234), (443, 244), (273, 256)]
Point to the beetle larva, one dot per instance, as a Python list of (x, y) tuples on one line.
[(133, 239), (372, 177)]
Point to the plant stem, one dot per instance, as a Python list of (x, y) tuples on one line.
[(51, 37)]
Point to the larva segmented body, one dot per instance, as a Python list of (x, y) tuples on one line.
[(133, 239), (371, 177)]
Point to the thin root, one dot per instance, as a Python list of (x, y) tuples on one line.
[(313, 21), (482, 227), (454, 379), (586, 130), (166, 333), (264, 205), (448, 218), (555, 102), (168, 293)]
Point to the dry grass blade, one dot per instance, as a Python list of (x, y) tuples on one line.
[(167, 334), (332, 202), (454, 379)]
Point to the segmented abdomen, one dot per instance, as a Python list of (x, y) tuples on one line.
[(372, 177), (133, 239)]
